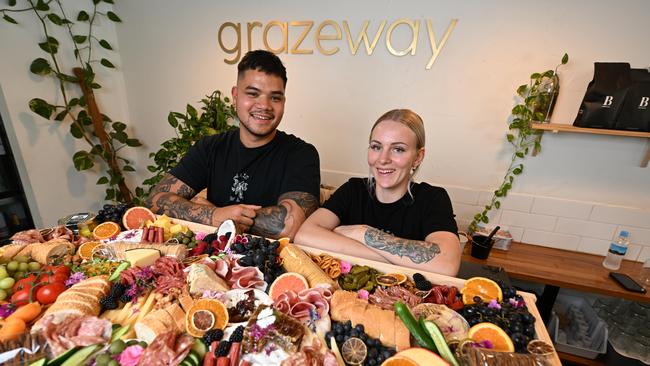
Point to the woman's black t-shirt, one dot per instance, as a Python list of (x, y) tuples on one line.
[(414, 218)]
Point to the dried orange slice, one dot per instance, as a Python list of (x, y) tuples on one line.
[(539, 347), (85, 250), (399, 361), (106, 230), (354, 351), (482, 287), (489, 332), (204, 315)]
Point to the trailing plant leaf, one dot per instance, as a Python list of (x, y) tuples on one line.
[(105, 44), (107, 63), (55, 19), (40, 66), (9, 19), (41, 107), (83, 16), (112, 16), (82, 160)]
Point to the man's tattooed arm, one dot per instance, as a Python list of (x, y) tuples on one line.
[(171, 197), (416, 250), (285, 218)]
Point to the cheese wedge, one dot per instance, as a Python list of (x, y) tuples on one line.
[(124, 313), (146, 308), (135, 310), (142, 257)]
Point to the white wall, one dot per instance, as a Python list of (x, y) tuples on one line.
[(170, 56)]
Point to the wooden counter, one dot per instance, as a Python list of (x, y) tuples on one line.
[(561, 268)]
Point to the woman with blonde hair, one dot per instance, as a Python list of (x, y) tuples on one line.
[(388, 217)]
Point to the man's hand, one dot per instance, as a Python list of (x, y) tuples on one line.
[(354, 232), (241, 214)]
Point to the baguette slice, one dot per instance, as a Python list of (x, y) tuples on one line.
[(149, 328), (178, 315)]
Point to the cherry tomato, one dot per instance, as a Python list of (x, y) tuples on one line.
[(24, 283), (52, 277), (21, 297), (57, 269), (48, 293)]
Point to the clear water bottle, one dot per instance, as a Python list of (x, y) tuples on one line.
[(617, 250)]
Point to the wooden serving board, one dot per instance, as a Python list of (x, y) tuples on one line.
[(435, 278)]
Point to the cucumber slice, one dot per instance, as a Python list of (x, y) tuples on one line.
[(80, 356), (439, 340), (116, 273), (194, 358), (60, 359), (200, 348), (119, 332), (41, 362)]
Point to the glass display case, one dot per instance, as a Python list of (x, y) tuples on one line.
[(14, 211)]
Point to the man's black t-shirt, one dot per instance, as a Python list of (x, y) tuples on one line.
[(235, 174), (414, 218)]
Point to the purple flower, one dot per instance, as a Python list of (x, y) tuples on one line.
[(6, 310), (145, 273), (363, 294), (75, 278), (270, 348), (494, 305), (200, 236), (132, 291)]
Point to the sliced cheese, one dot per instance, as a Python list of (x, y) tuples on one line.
[(123, 314), (148, 305), (142, 257), (135, 310)]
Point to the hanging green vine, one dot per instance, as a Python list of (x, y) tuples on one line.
[(105, 138), (535, 106)]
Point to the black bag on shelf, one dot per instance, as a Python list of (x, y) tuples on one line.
[(635, 113), (605, 95)]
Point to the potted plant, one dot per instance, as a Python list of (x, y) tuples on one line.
[(537, 99)]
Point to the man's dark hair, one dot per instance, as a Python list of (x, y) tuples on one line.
[(262, 60)]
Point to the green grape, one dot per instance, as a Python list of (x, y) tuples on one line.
[(21, 258), (19, 275), (7, 283), (103, 359), (117, 347), (34, 266), (3, 295), (12, 266), (23, 267), (3, 272)]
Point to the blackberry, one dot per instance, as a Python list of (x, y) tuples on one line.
[(125, 298), (421, 283), (211, 336), (222, 349), (238, 335), (108, 303), (118, 289)]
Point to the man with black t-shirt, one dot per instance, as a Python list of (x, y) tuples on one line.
[(265, 180)]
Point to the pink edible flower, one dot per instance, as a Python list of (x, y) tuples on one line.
[(345, 267), (494, 304), (131, 355), (200, 236), (363, 294)]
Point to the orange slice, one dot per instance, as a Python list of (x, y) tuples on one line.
[(106, 230), (354, 351), (399, 361), (490, 332), (482, 287), (86, 249), (204, 315)]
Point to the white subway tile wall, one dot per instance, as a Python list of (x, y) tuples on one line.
[(581, 226)]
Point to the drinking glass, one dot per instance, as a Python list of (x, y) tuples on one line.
[(644, 275)]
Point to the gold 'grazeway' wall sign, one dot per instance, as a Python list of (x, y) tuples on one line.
[(324, 36)]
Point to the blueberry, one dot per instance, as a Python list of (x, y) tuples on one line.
[(340, 338), (359, 328)]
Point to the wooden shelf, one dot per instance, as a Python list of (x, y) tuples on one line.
[(555, 128)]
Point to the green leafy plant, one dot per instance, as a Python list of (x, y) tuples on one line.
[(105, 138), (189, 128), (535, 106)]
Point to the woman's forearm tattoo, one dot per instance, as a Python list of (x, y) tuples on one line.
[(416, 250)]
